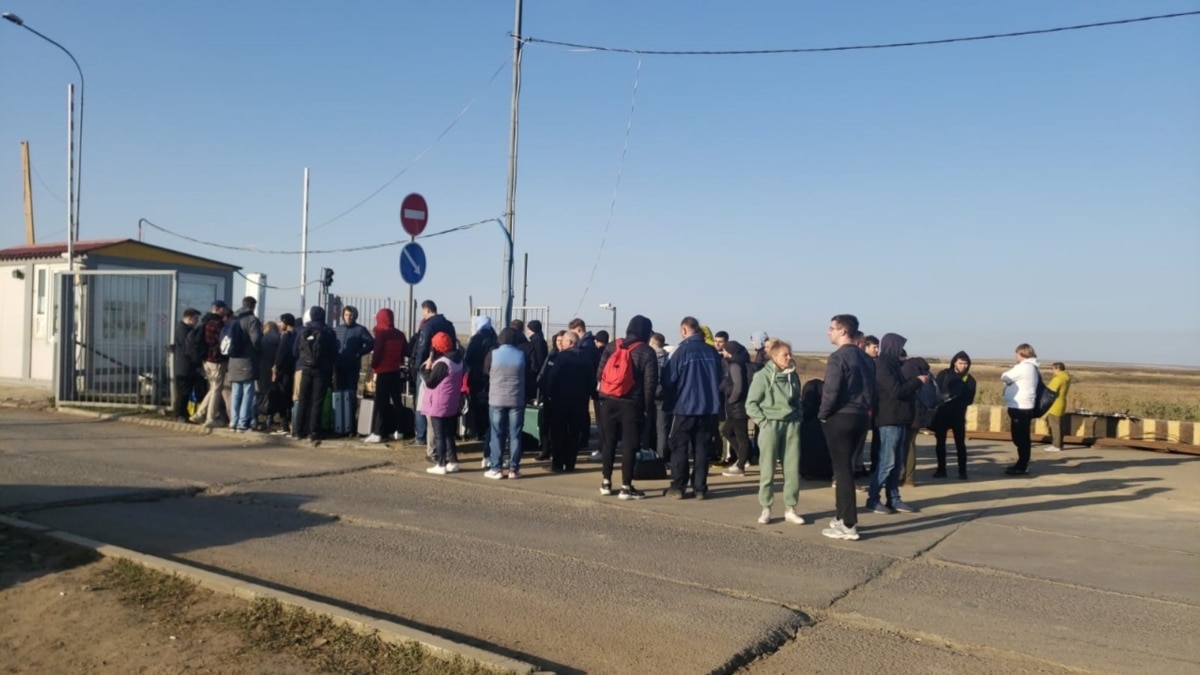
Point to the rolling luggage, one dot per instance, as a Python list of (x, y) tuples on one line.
[(366, 415)]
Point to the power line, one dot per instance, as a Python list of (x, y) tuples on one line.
[(415, 159), (44, 185), (352, 249), (848, 48)]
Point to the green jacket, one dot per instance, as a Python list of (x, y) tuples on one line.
[(1061, 383), (774, 395)]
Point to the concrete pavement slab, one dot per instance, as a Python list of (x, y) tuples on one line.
[(1050, 621)]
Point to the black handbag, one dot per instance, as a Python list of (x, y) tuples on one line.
[(647, 465), (1044, 398)]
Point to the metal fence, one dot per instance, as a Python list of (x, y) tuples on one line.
[(367, 308), (113, 331), (524, 313)]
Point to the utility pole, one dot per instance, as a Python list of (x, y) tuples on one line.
[(511, 207), (30, 240)]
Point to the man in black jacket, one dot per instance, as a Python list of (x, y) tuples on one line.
[(184, 366), (893, 417), (958, 392), (735, 385), (625, 414), (316, 353), (568, 384)]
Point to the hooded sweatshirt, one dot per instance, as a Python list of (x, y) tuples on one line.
[(390, 344), (316, 333), (897, 395), (774, 395), (736, 384), (644, 362), (483, 341), (958, 389)]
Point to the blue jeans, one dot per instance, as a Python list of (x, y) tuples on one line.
[(514, 419), (422, 422), (243, 401), (886, 472), (343, 411)]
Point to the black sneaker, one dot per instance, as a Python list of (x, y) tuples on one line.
[(962, 475), (628, 492), (940, 473), (606, 488), (1016, 471)]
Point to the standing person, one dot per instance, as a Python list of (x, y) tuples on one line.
[(506, 403), (185, 367), (735, 387), (773, 402), (628, 377), (1060, 383), (1020, 395), (691, 385), (958, 393), (847, 399), (243, 363), (871, 347), (316, 348), (895, 413), (441, 373), (354, 342), (570, 380), (283, 375), (662, 418), (432, 323), (925, 406), (587, 345), (268, 403), (387, 363), (210, 409), (482, 342)]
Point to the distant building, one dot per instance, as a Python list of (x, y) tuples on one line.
[(108, 325)]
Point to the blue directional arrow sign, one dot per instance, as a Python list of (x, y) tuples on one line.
[(412, 263)]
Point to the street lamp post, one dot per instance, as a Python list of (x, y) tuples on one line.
[(75, 172), (613, 308)]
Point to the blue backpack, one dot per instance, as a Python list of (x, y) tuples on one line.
[(234, 340)]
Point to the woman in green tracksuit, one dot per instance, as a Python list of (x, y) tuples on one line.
[(774, 404)]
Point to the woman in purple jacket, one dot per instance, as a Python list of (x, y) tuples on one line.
[(442, 373)]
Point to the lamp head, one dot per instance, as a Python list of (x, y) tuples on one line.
[(13, 18), (606, 305)]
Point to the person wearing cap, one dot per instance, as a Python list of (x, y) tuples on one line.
[(441, 374)]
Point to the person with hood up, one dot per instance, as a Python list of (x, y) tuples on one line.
[(482, 342), (387, 363), (958, 392), (625, 409), (735, 386), (1020, 395), (354, 342), (773, 402), (316, 355), (894, 415), (506, 403), (441, 375)]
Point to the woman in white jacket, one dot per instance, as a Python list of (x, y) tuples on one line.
[(1020, 395)]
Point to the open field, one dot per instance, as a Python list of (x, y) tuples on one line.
[(1141, 391)]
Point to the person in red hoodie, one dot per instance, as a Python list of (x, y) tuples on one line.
[(387, 361)]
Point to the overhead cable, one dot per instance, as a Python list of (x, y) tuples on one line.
[(848, 48)]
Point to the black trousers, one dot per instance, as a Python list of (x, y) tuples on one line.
[(621, 419), (843, 433), (313, 385), (942, 425), (184, 384), (1020, 422), (690, 435), (737, 432), (445, 450), (385, 420), (566, 422)]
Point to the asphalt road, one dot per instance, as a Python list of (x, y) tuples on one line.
[(1093, 563)]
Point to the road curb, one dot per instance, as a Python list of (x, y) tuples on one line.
[(387, 631)]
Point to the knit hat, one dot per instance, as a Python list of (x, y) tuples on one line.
[(288, 320), (441, 343)]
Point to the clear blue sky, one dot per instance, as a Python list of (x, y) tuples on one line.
[(973, 196)]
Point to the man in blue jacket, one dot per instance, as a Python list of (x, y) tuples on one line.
[(691, 389), (354, 342)]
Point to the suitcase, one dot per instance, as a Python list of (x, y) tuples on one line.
[(366, 415)]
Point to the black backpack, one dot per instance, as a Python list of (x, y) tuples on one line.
[(194, 347), (311, 347)]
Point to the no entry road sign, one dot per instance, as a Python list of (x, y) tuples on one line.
[(414, 214)]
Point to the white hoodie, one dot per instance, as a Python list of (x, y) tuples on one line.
[(1021, 385)]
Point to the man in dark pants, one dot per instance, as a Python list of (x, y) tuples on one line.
[(570, 380), (316, 353), (626, 402), (691, 383), (184, 365), (847, 399)]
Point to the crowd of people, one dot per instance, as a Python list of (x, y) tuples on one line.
[(652, 403)]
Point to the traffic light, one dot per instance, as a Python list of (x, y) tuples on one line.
[(327, 276)]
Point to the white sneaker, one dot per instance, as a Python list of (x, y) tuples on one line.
[(838, 530), (395, 435), (595, 456), (485, 463), (794, 518), (733, 471), (764, 517), (373, 438), (452, 467), (437, 470), (493, 474), (1051, 448)]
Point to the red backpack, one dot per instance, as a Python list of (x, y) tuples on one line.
[(616, 379)]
